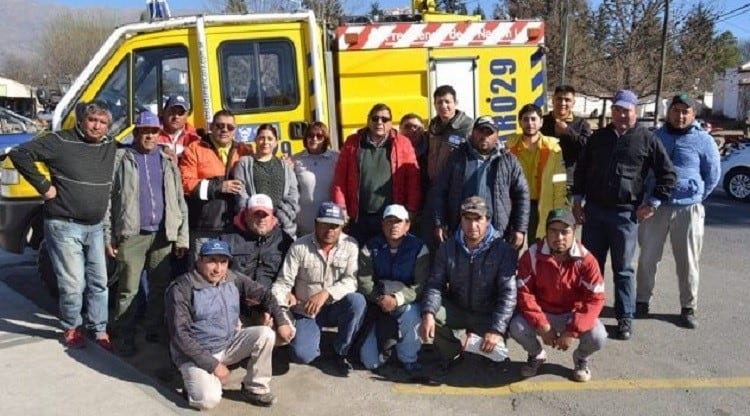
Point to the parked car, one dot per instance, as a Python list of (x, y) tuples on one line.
[(735, 172)]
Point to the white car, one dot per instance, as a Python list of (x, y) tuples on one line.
[(735, 172)]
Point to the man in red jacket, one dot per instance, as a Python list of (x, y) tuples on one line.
[(560, 296), (377, 167)]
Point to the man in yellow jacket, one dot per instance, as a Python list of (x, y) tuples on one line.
[(542, 162)]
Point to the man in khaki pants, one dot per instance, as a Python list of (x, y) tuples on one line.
[(696, 162)]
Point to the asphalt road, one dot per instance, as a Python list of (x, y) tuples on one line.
[(663, 370)]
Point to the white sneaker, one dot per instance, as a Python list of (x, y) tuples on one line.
[(581, 372)]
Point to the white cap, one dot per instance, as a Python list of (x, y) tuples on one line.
[(260, 202), (396, 210)]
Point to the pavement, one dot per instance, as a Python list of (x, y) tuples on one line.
[(41, 377), (664, 370)]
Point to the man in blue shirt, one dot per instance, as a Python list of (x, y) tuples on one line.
[(696, 161)]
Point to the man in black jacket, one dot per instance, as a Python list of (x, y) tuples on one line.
[(471, 286), (80, 162), (572, 131), (483, 168), (203, 311), (257, 241), (610, 178)]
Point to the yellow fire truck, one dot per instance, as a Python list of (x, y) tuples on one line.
[(288, 70)]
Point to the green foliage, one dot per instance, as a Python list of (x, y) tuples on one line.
[(375, 9), (235, 7)]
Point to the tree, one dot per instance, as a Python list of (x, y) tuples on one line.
[(328, 10), (71, 39), (235, 7), (375, 9), (745, 50), (478, 11), (452, 6)]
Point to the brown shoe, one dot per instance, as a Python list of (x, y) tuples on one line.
[(73, 338), (105, 343)]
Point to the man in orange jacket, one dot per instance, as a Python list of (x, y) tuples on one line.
[(560, 296), (205, 167)]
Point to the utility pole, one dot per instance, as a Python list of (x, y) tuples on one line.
[(565, 19), (660, 80)]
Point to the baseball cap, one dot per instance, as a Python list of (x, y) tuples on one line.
[(475, 205), (147, 119), (625, 99), (396, 210), (485, 121), (260, 202), (215, 248), (561, 215), (683, 98), (177, 100), (330, 213)]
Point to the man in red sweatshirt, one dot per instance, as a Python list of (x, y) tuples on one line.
[(560, 296)]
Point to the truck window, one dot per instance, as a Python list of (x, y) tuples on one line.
[(114, 92), (159, 73), (258, 76)]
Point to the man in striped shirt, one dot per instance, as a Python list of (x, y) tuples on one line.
[(80, 162)]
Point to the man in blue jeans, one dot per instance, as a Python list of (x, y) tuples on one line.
[(318, 282), (80, 162), (609, 178), (392, 268)]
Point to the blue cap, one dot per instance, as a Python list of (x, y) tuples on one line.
[(330, 213), (177, 100), (147, 119), (215, 248), (625, 99)]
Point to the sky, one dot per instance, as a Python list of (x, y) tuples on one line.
[(737, 24)]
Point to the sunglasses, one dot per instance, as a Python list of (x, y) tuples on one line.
[(381, 119), (318, 136), (222, 126), (176, 111)]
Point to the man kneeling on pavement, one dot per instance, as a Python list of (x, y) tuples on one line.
[(392, 268), (560, 296), (471, 285), (203, 318)]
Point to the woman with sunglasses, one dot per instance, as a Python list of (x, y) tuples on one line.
[(264, 173), (377, 167), (314, 169)]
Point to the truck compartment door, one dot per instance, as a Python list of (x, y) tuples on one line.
[(461, 73)]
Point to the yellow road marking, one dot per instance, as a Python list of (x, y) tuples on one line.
[(554, 386)]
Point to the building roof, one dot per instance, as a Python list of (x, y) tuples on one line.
[(14, 89)]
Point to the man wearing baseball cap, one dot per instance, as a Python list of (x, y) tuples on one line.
[(392, 268), (203, 311), (609, 198), (318, 282), (481, 167), (145, 223), (471, 286), (176, 132), (560, 296), (258, 243), (696, 160)]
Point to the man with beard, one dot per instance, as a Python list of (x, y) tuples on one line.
[(560, 296)]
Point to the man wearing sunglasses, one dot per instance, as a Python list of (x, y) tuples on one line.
[(377, 167), (209, 190), (176, 132)]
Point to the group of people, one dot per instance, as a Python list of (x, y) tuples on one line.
[(402, 238)]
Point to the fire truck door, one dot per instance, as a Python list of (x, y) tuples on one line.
[(461, 73)]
